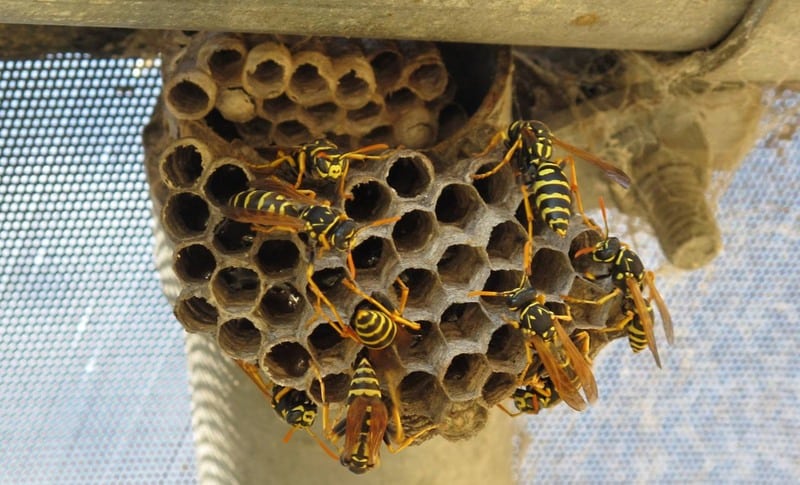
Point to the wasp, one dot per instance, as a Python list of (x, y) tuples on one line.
[(565, 365), (322, 160), (540, 392), (292, 405), (376, 327), (530, 145), (273, 204), (367, 423), (627, 273)]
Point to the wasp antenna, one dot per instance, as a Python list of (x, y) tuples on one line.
[(605, 216)]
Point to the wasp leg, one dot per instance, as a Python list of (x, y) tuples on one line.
[(527, 254), (574, 187), (583, 342), (253, 373), (496, 139), (271, 165), (505, 410), (620, 325), (521, 380), (401, 306), (506, 159), (380, 222), (599, 301), (407, 441), (336, 324)]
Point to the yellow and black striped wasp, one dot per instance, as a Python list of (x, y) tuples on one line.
[(565, 365), (540, 392), (272, 204), (627, 273), (367, 423), (292, 405), (529, 144), (376, 327), (322, 160)]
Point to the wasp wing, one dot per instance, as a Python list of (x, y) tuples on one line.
[(277, 185), (379, 419), (614, 173), (263, 218), (662, 307), (561, 380), (579, 365), (643, 313)]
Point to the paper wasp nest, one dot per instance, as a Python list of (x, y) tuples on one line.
[(226, 97)]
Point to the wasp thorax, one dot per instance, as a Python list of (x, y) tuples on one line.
[(537, 320), (342, 234)]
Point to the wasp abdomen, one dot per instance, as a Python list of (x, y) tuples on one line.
[(265, 201), (553, 196)]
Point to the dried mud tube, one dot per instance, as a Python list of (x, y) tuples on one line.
[(443, 234)]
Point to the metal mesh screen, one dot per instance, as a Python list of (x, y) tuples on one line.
[(93, 380), (92, 376)]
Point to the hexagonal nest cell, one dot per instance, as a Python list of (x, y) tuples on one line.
[(269, 284)]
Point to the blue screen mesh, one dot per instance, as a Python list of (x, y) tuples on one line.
[(93, 385)]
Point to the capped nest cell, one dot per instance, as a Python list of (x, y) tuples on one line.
[(227, 98)]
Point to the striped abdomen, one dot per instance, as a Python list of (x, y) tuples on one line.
[(553, 196), (636, 336), (364, 382), (271, 202), (375, 329)]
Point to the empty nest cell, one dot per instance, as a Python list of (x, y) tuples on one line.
[(465, 376), (464, 321), (235, 287), (194, 263), (410, 176), (424, 344), (232, 237), (506, 349), (374, 253), (457, 204), (278, 256), (239, 337), (498, 387), (370, 201), (551, 271), (190, 95), (182, 163), (507, 241), (458, 262), (196, 313), (225, 181), (282, 305), (286, 362), (336, 387), (185, 215), (267, 69), (496, 188), (423, 286), (421, 393), (414, 230)]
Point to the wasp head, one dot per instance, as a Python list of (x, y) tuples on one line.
[(329, 167), (606, 250)]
